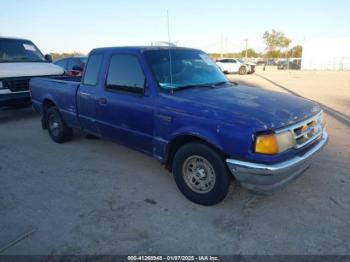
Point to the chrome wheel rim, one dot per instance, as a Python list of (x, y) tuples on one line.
[(54, 125), (198, 174)]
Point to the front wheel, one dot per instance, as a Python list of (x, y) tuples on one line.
[(58, 130), (201, 174), (242, 70)]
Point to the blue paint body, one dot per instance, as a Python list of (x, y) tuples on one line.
[(227, 117)]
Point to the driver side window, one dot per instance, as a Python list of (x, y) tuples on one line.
[(125, 74)]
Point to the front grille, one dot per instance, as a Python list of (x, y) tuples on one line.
[(17, 84), (308, 131)]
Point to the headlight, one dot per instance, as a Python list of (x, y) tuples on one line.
[(274, 143)]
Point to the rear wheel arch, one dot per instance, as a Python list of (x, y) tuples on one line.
[(47, 103), (177, 142), (57, 128)]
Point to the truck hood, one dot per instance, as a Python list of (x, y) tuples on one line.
[(29, 69), (251, 106)]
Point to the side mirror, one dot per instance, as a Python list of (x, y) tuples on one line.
[(48, 58)]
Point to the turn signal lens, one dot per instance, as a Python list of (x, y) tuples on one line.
[(274, 143), (266, 144)]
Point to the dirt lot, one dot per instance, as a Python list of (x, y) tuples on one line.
[(96, 197)]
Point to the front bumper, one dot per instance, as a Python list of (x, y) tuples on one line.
[(251, 69), (264, 178), (14, 98)]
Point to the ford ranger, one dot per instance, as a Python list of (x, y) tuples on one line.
[(175, 104)]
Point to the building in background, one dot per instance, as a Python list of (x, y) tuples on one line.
[(326, 54)]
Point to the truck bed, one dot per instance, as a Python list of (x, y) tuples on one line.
[(61, 91)]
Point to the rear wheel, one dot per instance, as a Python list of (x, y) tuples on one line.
[(58, 130), (201, 174)]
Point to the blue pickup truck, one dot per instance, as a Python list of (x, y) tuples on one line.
[(177, 106)]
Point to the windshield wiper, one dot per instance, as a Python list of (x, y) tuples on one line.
[(190, 86), (221, 83), (210, 85)]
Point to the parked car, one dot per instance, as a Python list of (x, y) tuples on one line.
[(261, 62), (271, 62), (284, 65), (20, 60), (204, 128), (234, 65), (250, 66), (73, 66)]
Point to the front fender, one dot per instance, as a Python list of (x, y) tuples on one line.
[(211, 136), (230, 140)]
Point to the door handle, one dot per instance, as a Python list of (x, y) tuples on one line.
[(102, 101), (85, 95)]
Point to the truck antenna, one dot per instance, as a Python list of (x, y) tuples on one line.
[(170, 60)]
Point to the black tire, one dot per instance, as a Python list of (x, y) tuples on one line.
[(242, 70), (219, 189), (57, 128)]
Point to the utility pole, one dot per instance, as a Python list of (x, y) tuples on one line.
[(246, 47)]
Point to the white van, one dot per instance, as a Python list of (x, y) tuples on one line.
[(20, 60)]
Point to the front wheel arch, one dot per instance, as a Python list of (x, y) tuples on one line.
[(181, 140), (242, 70), (201, 174)]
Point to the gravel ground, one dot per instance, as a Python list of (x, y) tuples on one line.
[(90, 196)]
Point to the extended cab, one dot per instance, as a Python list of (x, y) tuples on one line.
[(176, 105), (20, 60)]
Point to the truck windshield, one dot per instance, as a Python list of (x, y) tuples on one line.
[(16, 50), (190, 68)]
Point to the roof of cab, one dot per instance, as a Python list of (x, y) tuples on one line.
[(13, 38), (139, 48)]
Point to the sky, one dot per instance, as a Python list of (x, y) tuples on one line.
[(78, 25)]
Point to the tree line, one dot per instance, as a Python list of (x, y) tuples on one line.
[(277, 46), (56, 56)]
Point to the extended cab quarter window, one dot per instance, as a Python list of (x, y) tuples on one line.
[(125, 73), (92, 70)]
